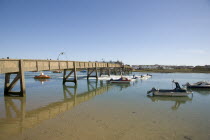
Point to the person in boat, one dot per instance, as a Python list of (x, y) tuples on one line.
[(41, 73)]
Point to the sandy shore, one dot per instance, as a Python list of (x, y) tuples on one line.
[(94, 121)]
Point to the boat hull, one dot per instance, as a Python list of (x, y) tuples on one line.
[(42, 77), (198, 86), (174, 94), (119, 81)]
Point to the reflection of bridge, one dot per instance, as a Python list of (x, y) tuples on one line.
[(17, 119), (18, 67)]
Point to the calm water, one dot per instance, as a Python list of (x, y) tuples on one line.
[(122, 107)]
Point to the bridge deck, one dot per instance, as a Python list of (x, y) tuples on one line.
[(12, 65)]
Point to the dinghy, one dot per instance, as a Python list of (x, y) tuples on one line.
[(178, 91), (200, 84)]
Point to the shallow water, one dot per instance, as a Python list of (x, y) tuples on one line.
[(99, 110)]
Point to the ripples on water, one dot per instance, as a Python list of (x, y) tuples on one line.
[(153, 117)]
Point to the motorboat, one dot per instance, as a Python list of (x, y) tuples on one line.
[(145, 76), (178, 91), (149, 75), (134, 77), (42, 76), (200, 84), (121, 80)]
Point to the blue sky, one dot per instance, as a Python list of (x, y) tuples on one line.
[(170, 32)]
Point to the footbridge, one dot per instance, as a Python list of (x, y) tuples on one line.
[(19, 66)]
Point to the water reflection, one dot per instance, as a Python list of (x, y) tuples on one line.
[(121, 85), (176, 100), (204, 92), (42, 80), (16, 118)]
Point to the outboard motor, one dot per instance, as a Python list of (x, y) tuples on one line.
[(152, 90)]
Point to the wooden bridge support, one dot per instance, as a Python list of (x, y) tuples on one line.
[(117, 71), (101, 71), (65, 77), (90, 71), (108, 71), (105, 71), (9, 86)]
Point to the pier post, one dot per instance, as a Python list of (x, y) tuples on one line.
[(19, 76), (108, 70), (89, 72), (65, 77), (101, 71)]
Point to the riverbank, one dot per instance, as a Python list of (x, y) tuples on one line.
[(172, 71)]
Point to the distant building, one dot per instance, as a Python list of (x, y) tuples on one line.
[(136, 67), (207, 66), (166, 67)]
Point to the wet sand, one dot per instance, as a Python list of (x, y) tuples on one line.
[(96, 121)]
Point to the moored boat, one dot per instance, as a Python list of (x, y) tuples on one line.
[(57, 71), (83, 71), (178, 91), (42, 76), (200, 84), (121, 80)]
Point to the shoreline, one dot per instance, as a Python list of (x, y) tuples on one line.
[(172, 71)]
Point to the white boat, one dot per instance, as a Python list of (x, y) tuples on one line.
[(178, 91), (200, 84)]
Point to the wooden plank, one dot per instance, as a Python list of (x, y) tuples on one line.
[(70, 64), (9, 66), (30, 65), (54, 65), (63, 65)]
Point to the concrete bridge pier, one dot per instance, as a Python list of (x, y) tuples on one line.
[(65, 76), (8, 86)]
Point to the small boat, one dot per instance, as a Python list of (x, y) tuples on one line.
[(149, 75), (200, 84), (83, 71), (42, 76), (134, 77), (121, 80), (178, 91), (57, 71)]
